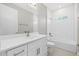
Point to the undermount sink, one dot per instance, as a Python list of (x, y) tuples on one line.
[(31, 36)]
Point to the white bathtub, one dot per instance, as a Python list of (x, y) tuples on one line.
[(54, 43)]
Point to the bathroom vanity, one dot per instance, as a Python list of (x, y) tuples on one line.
[(21, 45), (17, 20)]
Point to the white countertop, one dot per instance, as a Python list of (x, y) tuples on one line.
[(8, 42)]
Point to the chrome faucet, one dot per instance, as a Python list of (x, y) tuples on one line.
[(27, 32)]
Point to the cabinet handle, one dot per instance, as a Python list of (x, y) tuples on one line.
[(77, 44), (38, 51), (18, 53)]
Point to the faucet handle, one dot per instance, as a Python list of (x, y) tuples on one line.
[(25, 31), (50, 34)]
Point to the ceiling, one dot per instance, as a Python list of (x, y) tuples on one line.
[(55, 6), (19, 6), (29, 7)]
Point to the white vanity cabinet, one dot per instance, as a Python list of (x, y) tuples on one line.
[(44, 46), (18, 51), (3, 53), (37, 48)]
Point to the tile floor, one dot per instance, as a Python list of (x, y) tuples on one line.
[(59, 52)]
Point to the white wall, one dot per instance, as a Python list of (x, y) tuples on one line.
[(63, 27), (42, 19), (49, 19), (35, 23), (8, 20)]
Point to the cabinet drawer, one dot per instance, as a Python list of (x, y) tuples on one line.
[(19, 51), (3, 53)]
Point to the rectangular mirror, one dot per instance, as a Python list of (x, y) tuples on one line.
[(14, 19), (8, 20)]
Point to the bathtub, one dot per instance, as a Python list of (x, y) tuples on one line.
[(51, 42)]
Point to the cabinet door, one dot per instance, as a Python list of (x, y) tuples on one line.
[(19, 51), (37, 48), (33, 47), (44, 47)]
